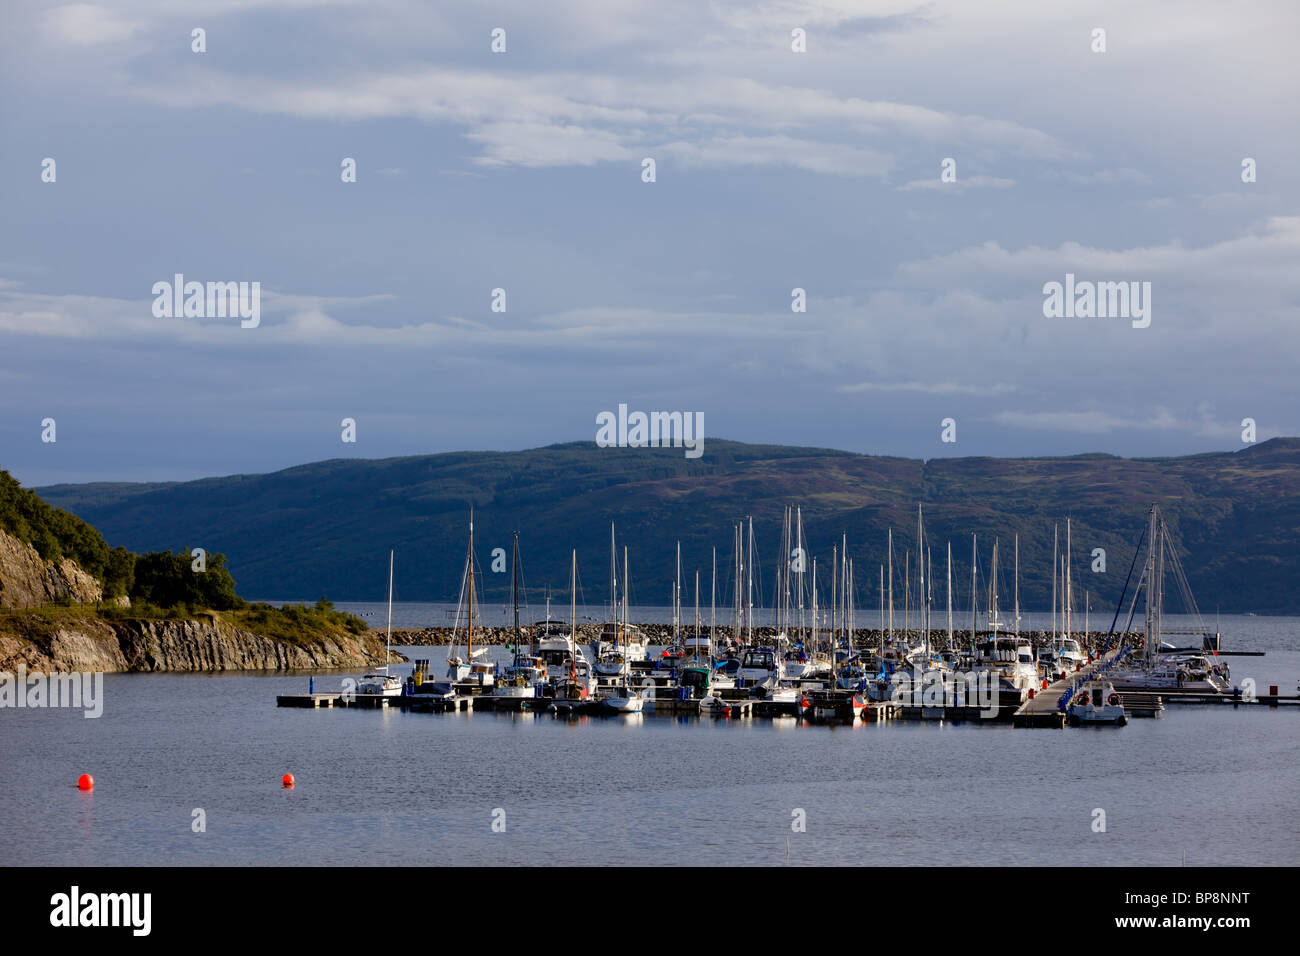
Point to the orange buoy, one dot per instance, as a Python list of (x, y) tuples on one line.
[(288, 780), (85, 782)]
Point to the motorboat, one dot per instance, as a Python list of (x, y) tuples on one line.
[(1096, 702)]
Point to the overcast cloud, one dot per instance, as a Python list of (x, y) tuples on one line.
[(775, 170)]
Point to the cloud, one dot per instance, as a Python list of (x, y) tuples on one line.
[(930, 388), (959, 184), (84, 24)]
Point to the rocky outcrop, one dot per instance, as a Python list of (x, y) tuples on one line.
[(28, 580), (210, 644)]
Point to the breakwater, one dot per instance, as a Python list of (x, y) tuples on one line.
[(662, 634)]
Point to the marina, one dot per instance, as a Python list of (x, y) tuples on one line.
[(813, 663)]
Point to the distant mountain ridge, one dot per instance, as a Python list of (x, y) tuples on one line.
[(326, 527)]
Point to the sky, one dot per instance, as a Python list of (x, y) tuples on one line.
[(522, 170)]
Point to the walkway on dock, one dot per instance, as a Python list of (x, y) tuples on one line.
[(1045, 709)]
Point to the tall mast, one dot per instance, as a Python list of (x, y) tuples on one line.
[(749, 594), (388, 641), (813, 637), (844, 592), (995, 619), (881, 642), (469, 561), (697, 614), (737, 565), (1069, 585), (625, 587), (713, 599), (514, 585), (950, 640), (974, 592), (613, 581), (907, 594), (802, 561), (891, 585), (1056, 571), (677, 596), (929, 594), (573, 615), (835, 603), (1017, 622), (920, 594)]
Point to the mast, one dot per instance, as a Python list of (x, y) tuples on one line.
[(1069, 597), (1017, 579), (613, 582), (920, 594), (974, 592), (514, 585), (573, 616), (907, 595), (798, 545), (469, 634), (388, 641), (1056, 570), (677, 596), (891, 585), (835, 604), (749, 594), (995, 619), (950, 640), (697, 604), (713, 599), (881, 649), (813, 637)]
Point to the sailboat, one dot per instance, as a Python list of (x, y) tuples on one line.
[(1157, 669), (575, 687), (625, 699), (621, 642), (525, 676), (467, 670), (385, 684)]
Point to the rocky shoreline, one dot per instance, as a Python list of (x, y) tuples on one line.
[(91, 644)]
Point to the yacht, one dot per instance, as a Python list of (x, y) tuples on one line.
[(761, 669), (385, 684)]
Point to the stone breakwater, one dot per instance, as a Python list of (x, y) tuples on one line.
[(95, 645), (662, 634)]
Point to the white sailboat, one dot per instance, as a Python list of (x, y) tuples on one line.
[(385, 684), (466, 669)]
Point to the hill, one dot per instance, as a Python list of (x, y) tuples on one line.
[(326, 527)]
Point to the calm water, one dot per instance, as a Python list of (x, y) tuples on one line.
[(379, 787)]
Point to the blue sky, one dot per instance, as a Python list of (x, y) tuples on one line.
[(522, 170)]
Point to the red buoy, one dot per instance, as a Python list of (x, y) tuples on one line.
[(85, 782), (288, 780)]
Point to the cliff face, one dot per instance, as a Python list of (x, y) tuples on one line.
[(95, 645), (28, 580)]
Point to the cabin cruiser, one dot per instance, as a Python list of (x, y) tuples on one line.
[(761, 669), (1012, 660), (697, 647), (697, 680), (1096, 702), (625, 699), (1068, 652), (557, 649)]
